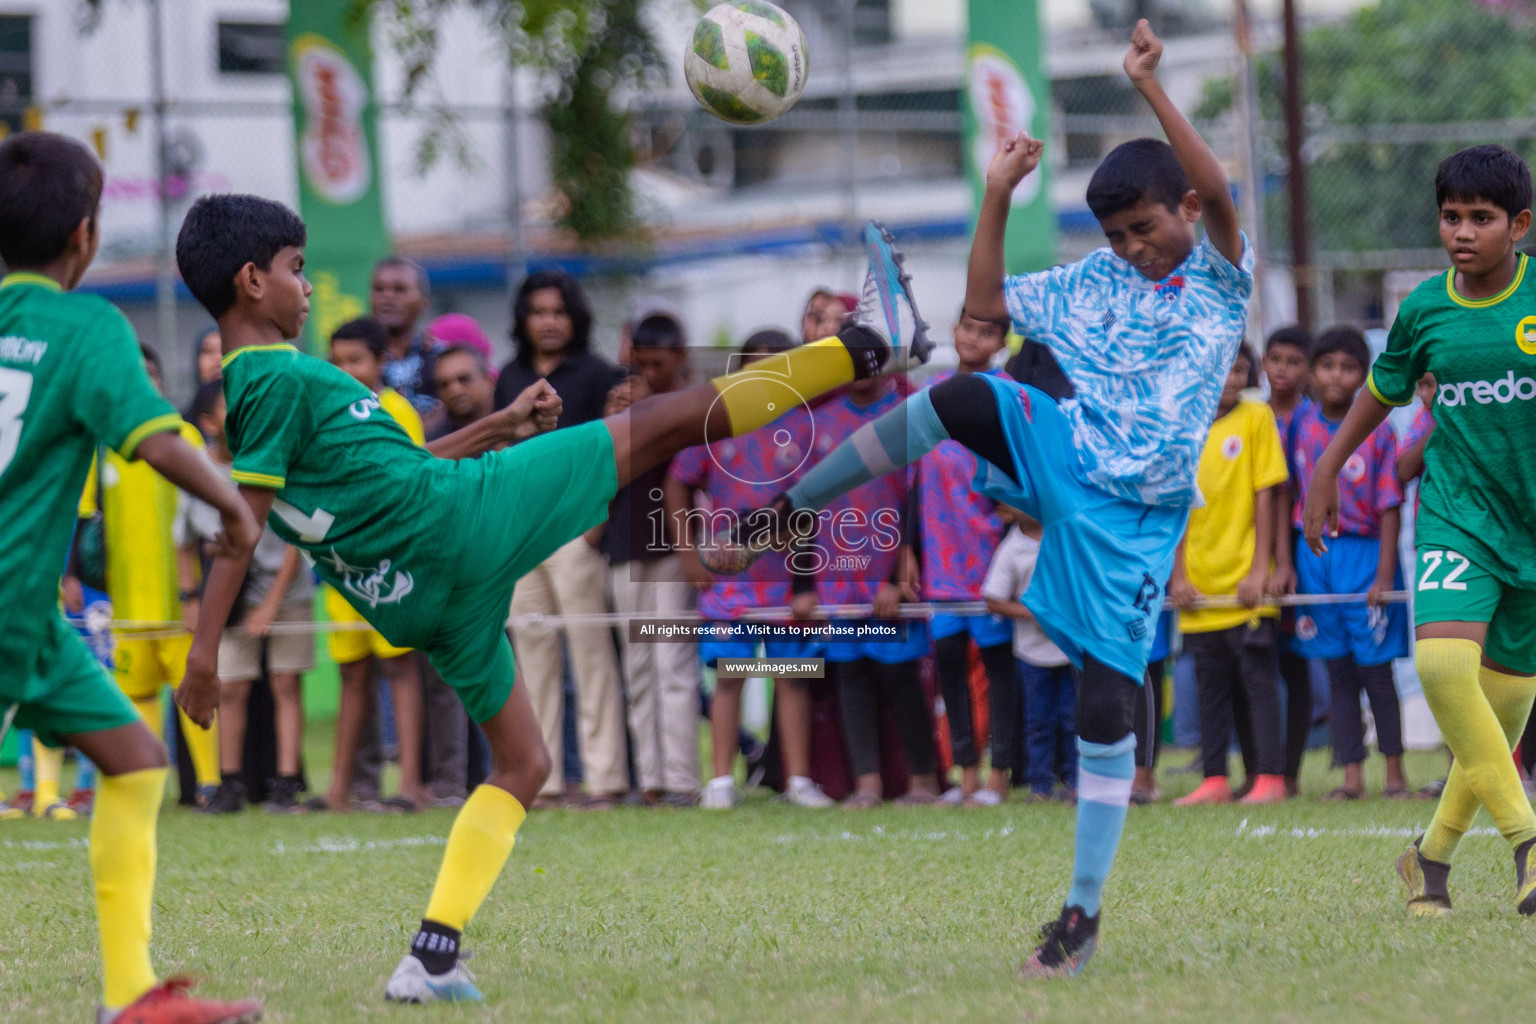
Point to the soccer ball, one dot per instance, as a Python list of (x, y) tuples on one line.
[(747, 62)]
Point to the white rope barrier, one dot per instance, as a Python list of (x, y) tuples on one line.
[(134, 629)]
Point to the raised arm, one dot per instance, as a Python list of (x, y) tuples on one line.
[(198, 694), (534, 411), (1199, 163), (1014, 159), (1321, 510)]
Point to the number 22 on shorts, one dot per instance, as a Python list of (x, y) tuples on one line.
[(1455, 564)]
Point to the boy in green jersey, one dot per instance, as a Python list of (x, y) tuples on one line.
[(1474, 328), (72, 378), (428, 549)]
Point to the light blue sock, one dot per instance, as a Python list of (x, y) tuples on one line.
[(26, 766), (1104, 776), (85, 772), (899, 438)]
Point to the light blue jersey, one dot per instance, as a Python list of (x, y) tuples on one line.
[(1148, 360)]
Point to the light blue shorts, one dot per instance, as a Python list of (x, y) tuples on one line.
[(1347, 630), (914, 646), (1104, 561), (986, 630)]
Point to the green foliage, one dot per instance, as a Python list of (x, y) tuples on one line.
[(588, 52), (1398, 63)]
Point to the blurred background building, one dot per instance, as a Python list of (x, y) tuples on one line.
[(741, 223)]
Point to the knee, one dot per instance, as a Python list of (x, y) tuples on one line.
[(524, 770), (1106, 700), (285, 687)]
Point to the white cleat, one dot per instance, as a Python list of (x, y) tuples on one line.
[(720, 794), (412, 984), (802, 792)]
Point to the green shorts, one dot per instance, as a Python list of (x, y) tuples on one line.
[(64, 690), (537, 496), (1452, 588)]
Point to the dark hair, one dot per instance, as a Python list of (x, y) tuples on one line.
[(1485, 172), (658, 331), (1346, 339), (1244, 352), (423, 282), (151, 356), (221, 234), (1133, 171), (366, 330), (1002, 325), (769, 341), (49, 183), (207, 397), (576, 307), (1295, 336), (466, 350)]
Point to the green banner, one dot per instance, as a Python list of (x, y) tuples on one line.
[(1007, 91), (336, 143)]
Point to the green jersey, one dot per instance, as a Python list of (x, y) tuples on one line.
[(71, 378), (375, 512), (1479, 482)]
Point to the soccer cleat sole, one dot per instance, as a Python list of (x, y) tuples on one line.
[(1033, 970), (888, 268)]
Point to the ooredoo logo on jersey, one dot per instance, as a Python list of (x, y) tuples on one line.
[(333, 150), (1504, 390)]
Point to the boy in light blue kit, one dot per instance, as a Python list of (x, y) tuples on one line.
[(1145, 330)]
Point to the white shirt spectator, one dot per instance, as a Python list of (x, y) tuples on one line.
[(1007, 578)]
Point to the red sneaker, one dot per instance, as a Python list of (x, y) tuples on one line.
[(170, 1004), (83, 802), (1214, 790), (1267, 789)]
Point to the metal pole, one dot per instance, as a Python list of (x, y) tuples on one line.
[(517, 256), (165, 268), (848, 127), (1301, 240), (1248, 121)]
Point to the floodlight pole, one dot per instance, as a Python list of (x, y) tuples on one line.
[(848, 126), (1301, 240), (1248, 120), (165, 269), (517, 257)]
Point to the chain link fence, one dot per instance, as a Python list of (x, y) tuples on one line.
[(744, 223)]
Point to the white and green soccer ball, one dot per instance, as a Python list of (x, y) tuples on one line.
[(747, 62)]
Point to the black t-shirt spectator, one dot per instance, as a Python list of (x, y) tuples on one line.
[(637, 520), (582, 380)]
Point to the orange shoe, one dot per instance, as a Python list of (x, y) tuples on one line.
[(170, 1004), (1267, 789), (1214, 790)]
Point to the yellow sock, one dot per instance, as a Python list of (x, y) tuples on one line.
[(150, 710), (478, 847), (772, 386), (1476, 709), (49, 770), (203, 745), (123, 866)]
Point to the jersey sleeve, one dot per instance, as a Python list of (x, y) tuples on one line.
[(267, 425), (1269, 468), (1039, 302), (691, 466), (1396, 371), (114, 397), (1389, 493), (1237, 280)]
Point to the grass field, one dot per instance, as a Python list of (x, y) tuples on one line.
[(772, 913)]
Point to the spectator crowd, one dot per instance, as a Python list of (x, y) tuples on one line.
[(947, 708)]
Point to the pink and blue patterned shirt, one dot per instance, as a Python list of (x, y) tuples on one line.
[(1368, 484)]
